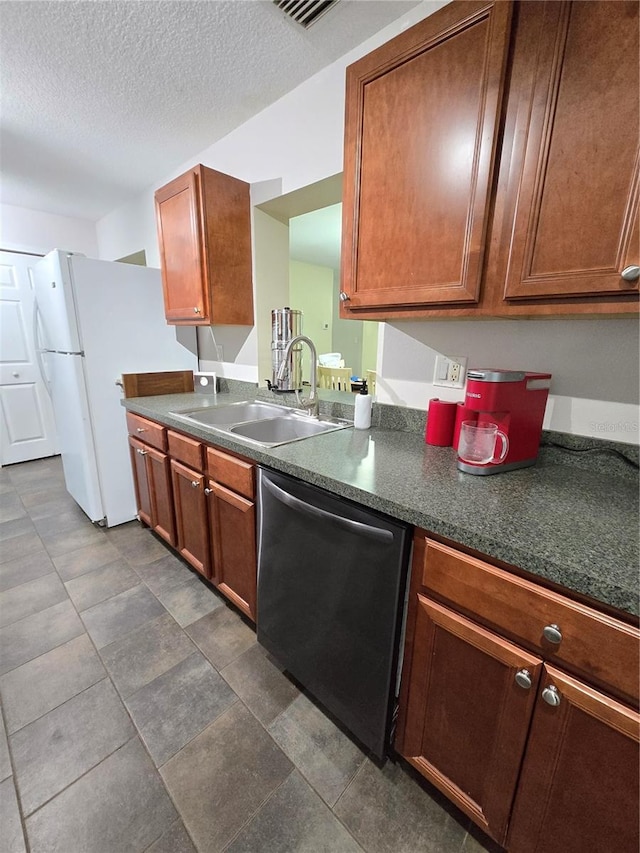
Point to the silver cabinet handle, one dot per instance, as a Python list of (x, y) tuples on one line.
[(141, 452), (552, 633), (140, 429), (523, 679), (631, 273), (551, 696), (194, 484), (15, 374), (196, 310), (208, 491), (344, 297)]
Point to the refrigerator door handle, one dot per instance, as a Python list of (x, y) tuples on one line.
[(38, 347)]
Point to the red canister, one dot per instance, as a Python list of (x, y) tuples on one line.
[(440, 422)]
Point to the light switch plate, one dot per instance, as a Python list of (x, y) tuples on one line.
[(450, 371)]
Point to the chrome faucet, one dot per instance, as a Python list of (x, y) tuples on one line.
[(311, 404)]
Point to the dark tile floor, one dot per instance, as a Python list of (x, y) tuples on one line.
[(139, 713)]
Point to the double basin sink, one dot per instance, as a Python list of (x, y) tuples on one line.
[(266, 424)]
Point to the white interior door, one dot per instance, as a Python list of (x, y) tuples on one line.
[(27, 426)]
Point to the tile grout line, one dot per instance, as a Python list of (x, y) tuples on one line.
[(81, 776), (261, 806)]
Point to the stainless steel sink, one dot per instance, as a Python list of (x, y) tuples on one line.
[(266, 424), (287, 428), (233, 413)]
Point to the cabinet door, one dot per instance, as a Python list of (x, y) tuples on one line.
[(204, 234), (467, 716), (192, 527), (141, 483), (570, 173), (233, 533), (162, 514), (579, 785), (422, 115), (179, 230)]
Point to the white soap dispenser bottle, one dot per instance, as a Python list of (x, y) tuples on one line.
[(362, 418)]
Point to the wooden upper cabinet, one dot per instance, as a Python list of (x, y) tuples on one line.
[(204, 234), (492, 164), (570, 172), (422, 116)]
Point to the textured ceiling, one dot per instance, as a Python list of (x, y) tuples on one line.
[(100, 97)]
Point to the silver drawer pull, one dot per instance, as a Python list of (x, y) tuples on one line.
[(208, 491), (195, 484), (523, 679), (141, 452), (196, 310), (552, 633), (140, 429), (551, 696)]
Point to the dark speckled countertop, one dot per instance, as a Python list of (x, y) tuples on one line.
[(576, 526)]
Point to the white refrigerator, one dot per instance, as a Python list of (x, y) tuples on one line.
[(93, 321)]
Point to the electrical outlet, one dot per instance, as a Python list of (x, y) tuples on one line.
[(450, 371), (454, 371)]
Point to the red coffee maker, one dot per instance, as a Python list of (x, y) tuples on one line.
[(515, 401)]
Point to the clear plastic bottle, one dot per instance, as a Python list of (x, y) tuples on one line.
[(362, 417)]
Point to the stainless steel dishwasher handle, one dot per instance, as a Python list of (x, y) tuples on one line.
[(356, 527)]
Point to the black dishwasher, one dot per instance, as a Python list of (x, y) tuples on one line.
[(331, 583)]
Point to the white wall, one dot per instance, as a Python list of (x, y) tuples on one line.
[(23, 230), (594, 363)]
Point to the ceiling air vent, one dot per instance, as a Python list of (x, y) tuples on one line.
[(305, 12)]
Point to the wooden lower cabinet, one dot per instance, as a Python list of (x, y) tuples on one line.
[(232, 521), (191, 517), (471, 696), (141, 483), (579, 785), (208, 517), (542, 760), (152, 483)]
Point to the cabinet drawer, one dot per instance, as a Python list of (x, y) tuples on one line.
[(602, 648), (187, 450), (230, 471), (147, 431)]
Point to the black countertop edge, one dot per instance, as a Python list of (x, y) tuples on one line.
[(578, 559)]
